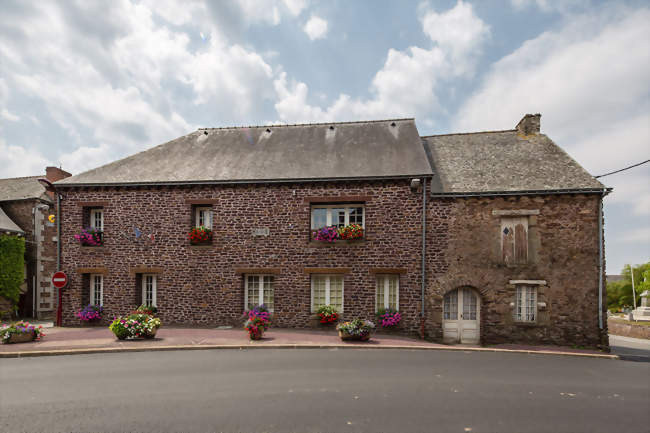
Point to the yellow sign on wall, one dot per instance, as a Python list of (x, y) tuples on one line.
[(51, 218)]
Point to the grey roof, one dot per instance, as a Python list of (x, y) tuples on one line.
[(385, 148), (20, 188), (503, 161), (7, 225)]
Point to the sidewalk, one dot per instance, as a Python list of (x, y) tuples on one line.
[(62, 341)]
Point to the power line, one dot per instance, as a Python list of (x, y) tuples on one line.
[(623, 169)]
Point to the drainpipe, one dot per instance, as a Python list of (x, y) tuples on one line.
[(58, 253), (424, 235), (600, 260)]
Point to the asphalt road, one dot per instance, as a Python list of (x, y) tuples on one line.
[(631, 349), (304, 390)]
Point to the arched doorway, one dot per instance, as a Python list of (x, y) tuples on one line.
[(461, 321)]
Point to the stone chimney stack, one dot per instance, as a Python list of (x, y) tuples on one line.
[(529, 124), (54, 173)]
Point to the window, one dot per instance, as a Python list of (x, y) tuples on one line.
[(526, 304), (514, 240), (149, 289), (450, 306), (203, 217), (97, 219), (96, 289), (258, 291), (337, 215), (327, 290), (387, 292)]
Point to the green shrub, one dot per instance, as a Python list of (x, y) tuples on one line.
[(12, 266)]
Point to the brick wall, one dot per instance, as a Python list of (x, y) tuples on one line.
[(199, 285), (563, 251)]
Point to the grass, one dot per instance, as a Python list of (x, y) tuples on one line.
[(630, 322)]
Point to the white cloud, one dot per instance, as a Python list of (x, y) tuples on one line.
[(17, 161), (316, 28), (637, 236), (562, 6), (392, 87), (8, 115), (295, 6)]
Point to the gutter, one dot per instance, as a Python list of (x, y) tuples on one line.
[(522, 192), (243, 181)]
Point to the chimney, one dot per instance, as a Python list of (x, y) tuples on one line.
[(54, 173), (529, 124)]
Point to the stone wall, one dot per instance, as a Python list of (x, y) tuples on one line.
[(562, 251), (628, 329), (200, 285)]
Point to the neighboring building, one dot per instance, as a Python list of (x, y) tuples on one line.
[(26, 204), (613, 278), (511, 251)]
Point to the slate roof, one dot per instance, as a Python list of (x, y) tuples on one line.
[(20, 188), (7, 225), (370, 149), (503, 161)]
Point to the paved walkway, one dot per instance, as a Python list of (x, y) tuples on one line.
[(100, 339)]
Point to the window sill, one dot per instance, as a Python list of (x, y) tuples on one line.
[(526, 324), (337, 243)]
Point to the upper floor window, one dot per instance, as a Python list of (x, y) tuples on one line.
[(149, 288), (97, 219), (327, 290), (96, 289), (203, 216), (514, 240), (258, 291), (387, 291), (526, 304), (339, 215)]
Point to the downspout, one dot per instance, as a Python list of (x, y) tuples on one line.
[(58, 253), (600, 260), (424, 236)]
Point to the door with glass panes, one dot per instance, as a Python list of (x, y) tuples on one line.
[(461, 316)]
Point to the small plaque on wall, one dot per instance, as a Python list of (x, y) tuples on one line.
[(262, 231)]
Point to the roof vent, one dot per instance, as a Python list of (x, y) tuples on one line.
[(205, 132), (268, 130), (331, 127), (392, 124)]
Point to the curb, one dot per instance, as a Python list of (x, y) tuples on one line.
[(59, 352)]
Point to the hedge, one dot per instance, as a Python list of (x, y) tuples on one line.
[(12, 266)]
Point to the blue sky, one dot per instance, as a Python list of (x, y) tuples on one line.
[(83, 83)]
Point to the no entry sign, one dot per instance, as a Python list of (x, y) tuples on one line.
[(59, 279)]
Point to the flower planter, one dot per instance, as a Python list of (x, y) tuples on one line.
[(256, 335), (353, 337), (23, 337)]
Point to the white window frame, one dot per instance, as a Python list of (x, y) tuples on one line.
[(154, 289), (327, 290), (260, 289), (93, 288), (526, 296), (93, 219), (385, 279), (345, 206), (197, 216)]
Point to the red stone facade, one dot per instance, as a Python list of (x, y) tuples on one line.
[(203, 285)]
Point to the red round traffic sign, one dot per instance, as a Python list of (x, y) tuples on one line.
[(59, 279)]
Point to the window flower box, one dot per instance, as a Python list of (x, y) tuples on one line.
[(332, 234), (90, 237), (200, 236), (326, 315), (90, 314), (389, 318)]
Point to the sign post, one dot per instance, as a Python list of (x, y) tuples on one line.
[(59, 280)]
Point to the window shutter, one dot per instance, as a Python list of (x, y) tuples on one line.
[(508, 241), (521, 243)]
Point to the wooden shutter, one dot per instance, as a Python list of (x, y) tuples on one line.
[(521, 241), (514, 240)]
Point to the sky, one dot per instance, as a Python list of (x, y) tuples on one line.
[(83, 83)]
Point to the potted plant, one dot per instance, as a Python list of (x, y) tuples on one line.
[(326, 234), (388, 318), (90, 237), (146, 309), (327, 315), (357, 329), (21, 332), (351, 232), (138, 325), (259, 320), (200, 235), (90, 313)]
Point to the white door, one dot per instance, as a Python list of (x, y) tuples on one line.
[(461, 317)]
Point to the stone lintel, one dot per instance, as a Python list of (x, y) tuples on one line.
[(97, 270), (515, 212), (326, 270), (531, 282), (387, 270), (338, 199), (145, 270), (273, 271)]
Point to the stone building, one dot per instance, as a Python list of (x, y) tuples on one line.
[(495, 234), (27, 205)]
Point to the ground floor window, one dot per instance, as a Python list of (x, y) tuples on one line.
[(387, 289), (450, 306), (149, 289), (96, 289), (259, 290), (327, 290), (526, 304)]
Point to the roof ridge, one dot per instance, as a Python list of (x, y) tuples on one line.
[(309, 124), (468, 133), (22, 177)]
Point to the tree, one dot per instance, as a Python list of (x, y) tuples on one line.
[(619, 293)]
